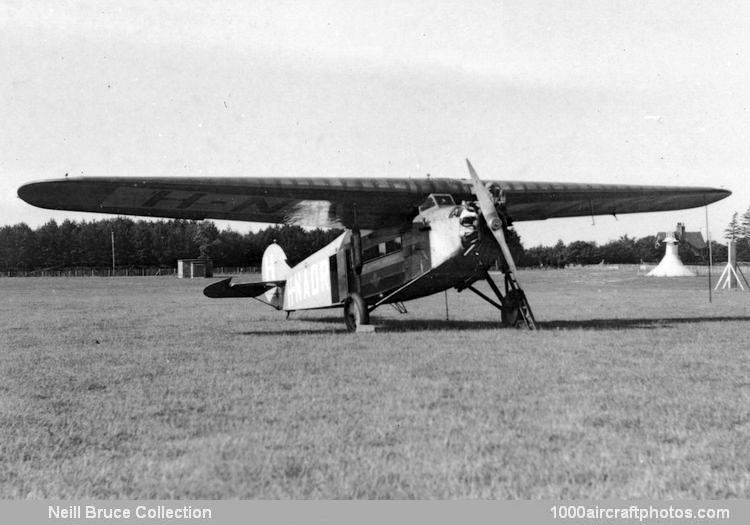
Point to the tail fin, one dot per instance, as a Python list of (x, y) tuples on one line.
[(274, 266)]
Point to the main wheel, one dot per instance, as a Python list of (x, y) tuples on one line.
[(511, 317), (355, 312)]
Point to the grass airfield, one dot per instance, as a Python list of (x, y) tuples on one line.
[(635, 387)]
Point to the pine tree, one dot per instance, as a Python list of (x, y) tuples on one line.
[(745, 224), (734, 230)]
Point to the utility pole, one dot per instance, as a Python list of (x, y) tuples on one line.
[(113, 252), (446, 305), (710, 255)]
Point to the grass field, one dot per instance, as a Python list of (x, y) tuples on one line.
[(143, 388)]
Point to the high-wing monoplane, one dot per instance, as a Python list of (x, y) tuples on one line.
[(402, 239)]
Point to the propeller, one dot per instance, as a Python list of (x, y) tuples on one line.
[(494, 222), (515, 305)]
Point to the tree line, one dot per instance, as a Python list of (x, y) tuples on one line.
[(625, 250), (147, 244)]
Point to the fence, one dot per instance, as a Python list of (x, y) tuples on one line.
[(119, 272)]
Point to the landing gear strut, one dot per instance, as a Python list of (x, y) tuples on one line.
[(514, 309)]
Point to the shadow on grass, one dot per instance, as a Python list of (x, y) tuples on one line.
[(336, 325), (621, 324)]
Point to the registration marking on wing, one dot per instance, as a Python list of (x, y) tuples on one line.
[(166, 199), (145, 198)]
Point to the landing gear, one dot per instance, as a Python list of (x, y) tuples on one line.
[(512, 314), (355, 312), (511, 318), (514, 308)]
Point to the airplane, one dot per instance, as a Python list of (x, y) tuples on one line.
[(403, 238)]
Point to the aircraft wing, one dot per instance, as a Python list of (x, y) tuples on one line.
[(329, 202)]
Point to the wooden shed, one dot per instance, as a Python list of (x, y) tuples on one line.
[(192, 268)]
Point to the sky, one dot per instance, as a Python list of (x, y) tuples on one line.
[(635, 92)]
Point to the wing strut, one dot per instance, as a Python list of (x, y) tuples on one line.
[(515, 305), (396, 291)]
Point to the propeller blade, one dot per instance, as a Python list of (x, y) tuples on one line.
[(487, 205)]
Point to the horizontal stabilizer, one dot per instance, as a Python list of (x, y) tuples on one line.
[(224, 289)]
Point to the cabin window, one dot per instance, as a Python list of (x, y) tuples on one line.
[(394, 245), (370, 253), (381, 249)]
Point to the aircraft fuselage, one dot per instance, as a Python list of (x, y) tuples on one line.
[(398, 264)]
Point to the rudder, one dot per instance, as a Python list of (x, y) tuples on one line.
[(274, 268), (273, 265)]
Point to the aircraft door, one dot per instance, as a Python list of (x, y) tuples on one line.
[(417, 252), (333, 274), (343, 280)]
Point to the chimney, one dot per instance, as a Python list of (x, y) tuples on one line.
[(680, 233)]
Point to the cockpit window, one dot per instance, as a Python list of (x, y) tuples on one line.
[(427, 204), (437, 199), (444, 200)]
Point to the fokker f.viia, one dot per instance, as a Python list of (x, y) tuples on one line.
[(403, 238)]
